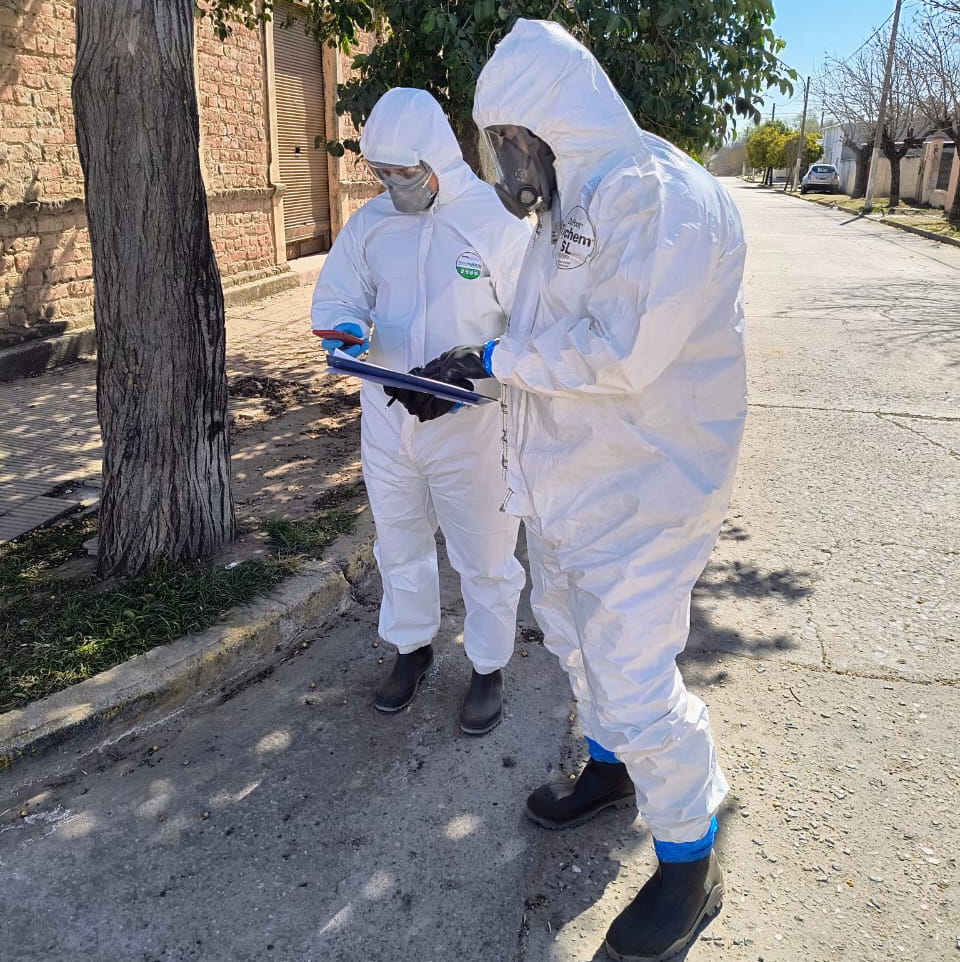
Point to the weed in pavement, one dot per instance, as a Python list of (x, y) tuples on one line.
[(311, 535)]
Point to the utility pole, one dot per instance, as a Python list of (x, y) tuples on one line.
[(884, 95), (803, 140), (773, 112)]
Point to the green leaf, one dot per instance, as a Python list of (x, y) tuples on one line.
[(484, 10), (667, 17)]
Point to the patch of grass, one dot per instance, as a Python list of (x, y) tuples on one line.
[(931, 219), (310, 536), (55, 632), (339, 495), (933, 223)]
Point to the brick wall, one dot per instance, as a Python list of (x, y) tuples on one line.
[(45, 268), (355, 181), (234, 149), (44, 249)]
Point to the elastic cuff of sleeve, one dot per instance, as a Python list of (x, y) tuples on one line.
[(598, 753), (488, 357), (686, 851)]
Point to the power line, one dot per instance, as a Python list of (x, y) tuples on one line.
[(865, 42), (909, 6)]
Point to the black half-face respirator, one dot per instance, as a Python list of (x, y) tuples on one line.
[(526, 178)]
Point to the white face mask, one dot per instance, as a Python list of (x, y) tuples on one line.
[(409, 187)]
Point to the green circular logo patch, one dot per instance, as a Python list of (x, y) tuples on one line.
[(469, 265)]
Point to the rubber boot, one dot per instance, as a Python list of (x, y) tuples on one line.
[(663, 919), (601, 785), (483, 703), (396, 691)]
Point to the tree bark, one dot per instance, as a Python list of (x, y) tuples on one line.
[(158, 302), (864, 155), (954, 212), (474, 153)]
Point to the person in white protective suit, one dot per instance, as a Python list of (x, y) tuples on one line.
[(430, 263), (625, 395)]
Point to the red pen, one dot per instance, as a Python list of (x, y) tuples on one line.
[(349, 339)]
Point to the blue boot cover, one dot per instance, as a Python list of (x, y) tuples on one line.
[(598, 753), (686, 851)]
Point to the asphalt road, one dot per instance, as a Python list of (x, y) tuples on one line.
[(289, 821)]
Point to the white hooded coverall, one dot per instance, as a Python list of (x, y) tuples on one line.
[(626, 396), (424, 283)]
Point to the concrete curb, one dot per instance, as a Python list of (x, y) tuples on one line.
[(42, 354), (238, 295), (225, 657), (32, 357), (932, 235), (909, 228)]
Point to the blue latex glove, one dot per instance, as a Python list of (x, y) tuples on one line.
[(354, 350)]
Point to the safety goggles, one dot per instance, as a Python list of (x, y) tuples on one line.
[(401, 177)]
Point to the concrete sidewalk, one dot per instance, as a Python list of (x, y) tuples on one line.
[(50, 438)]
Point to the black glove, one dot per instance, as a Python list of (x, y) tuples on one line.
[(461, 362), (423, 406), (403, 395)]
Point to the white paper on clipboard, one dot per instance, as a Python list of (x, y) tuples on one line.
[(343, 363)]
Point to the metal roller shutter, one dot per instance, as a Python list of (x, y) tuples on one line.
[(300, 120)]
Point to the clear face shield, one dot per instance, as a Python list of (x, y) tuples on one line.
[(526, 179), (410, 187)]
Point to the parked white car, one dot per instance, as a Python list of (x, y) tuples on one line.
[(821, 177)]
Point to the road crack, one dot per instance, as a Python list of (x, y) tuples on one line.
[(907, 415), (906, 427)]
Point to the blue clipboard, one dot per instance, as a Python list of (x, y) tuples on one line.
[(344, 364)]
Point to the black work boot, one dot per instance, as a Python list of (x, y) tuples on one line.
[(663, 919), (396, 691), (599, 786), (483, 703)]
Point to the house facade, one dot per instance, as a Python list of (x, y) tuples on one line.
[(264, 96), (928, 174)]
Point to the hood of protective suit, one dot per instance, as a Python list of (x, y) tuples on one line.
[(407, 126), (540, 78)]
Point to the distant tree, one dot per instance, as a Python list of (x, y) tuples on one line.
[(851, 90), (935, 76), (765, 148), (728, 161), (811, 151)]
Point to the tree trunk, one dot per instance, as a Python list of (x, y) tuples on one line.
[(863, 170), (954, 212), (895, 180), (158, 303), (894, 155), (474, 153)]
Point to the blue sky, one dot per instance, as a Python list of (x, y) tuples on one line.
[(814, 28)]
